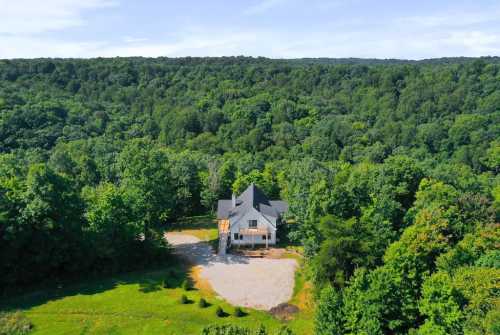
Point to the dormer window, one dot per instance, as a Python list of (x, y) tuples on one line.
[(252, 223)]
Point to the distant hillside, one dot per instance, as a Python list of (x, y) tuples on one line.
[(390, 168), (302, 61)]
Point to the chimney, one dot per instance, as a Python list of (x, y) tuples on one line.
[(233, 200)]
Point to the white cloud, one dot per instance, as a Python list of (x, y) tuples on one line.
[(476, 42), (33, 47), (203, 44), (25, 23), (39, 16), (453, 33), (397, 44), (27, 26), (450, 19)]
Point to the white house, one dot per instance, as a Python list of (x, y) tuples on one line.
[(249, 219)]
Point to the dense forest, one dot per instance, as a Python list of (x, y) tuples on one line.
[(390, 169)]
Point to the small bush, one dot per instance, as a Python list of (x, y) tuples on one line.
[(14, 324), (186, 286), (236, 330), (202, 303), (285, 331), (227, 330), (173, 279), (238, 312), (184, 299), (220, 312)]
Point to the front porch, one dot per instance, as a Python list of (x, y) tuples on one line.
[(252, 237)]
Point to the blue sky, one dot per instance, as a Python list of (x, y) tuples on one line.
[(270, 28)]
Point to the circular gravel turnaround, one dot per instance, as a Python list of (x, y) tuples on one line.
[(259, 283)]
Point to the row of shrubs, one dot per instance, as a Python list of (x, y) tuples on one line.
[(202, 303), (237, 330)]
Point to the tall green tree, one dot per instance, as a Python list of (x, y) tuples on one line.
[(146, 179)]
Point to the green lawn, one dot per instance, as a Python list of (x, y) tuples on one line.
[(137, 303), (204, 227), (134, 303)]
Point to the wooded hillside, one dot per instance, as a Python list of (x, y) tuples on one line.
[(390, 169)]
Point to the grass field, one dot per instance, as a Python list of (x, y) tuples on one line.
[(203, 227), (138, 303)]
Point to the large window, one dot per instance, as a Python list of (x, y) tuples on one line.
[(236, 236), (252, 223)]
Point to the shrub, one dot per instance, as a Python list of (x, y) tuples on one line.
[(226, 330), (184, 299), (285, 331), (186, 286), (219, 312), (262, 330), (14, 324), (202, 303), (238, 312), (171, 278), (166, 284), (231, 329)]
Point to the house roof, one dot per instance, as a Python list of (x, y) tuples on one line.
[(252, 197), (223, 208), (280, 205)]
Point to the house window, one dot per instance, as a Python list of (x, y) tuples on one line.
[(264, 237), (269, 236), (252, 223), (236, 236)]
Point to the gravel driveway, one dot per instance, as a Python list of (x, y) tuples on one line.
[(259, 283)]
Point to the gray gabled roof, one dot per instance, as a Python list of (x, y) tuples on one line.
[(280, 205), (252, 197), (223, 209), (268, 210)]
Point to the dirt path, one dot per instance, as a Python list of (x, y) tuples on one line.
[(259, 283)]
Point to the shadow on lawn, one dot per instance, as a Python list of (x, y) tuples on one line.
[(171, 274), (194, 222)]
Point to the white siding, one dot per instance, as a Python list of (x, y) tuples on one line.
[(262, 223)]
